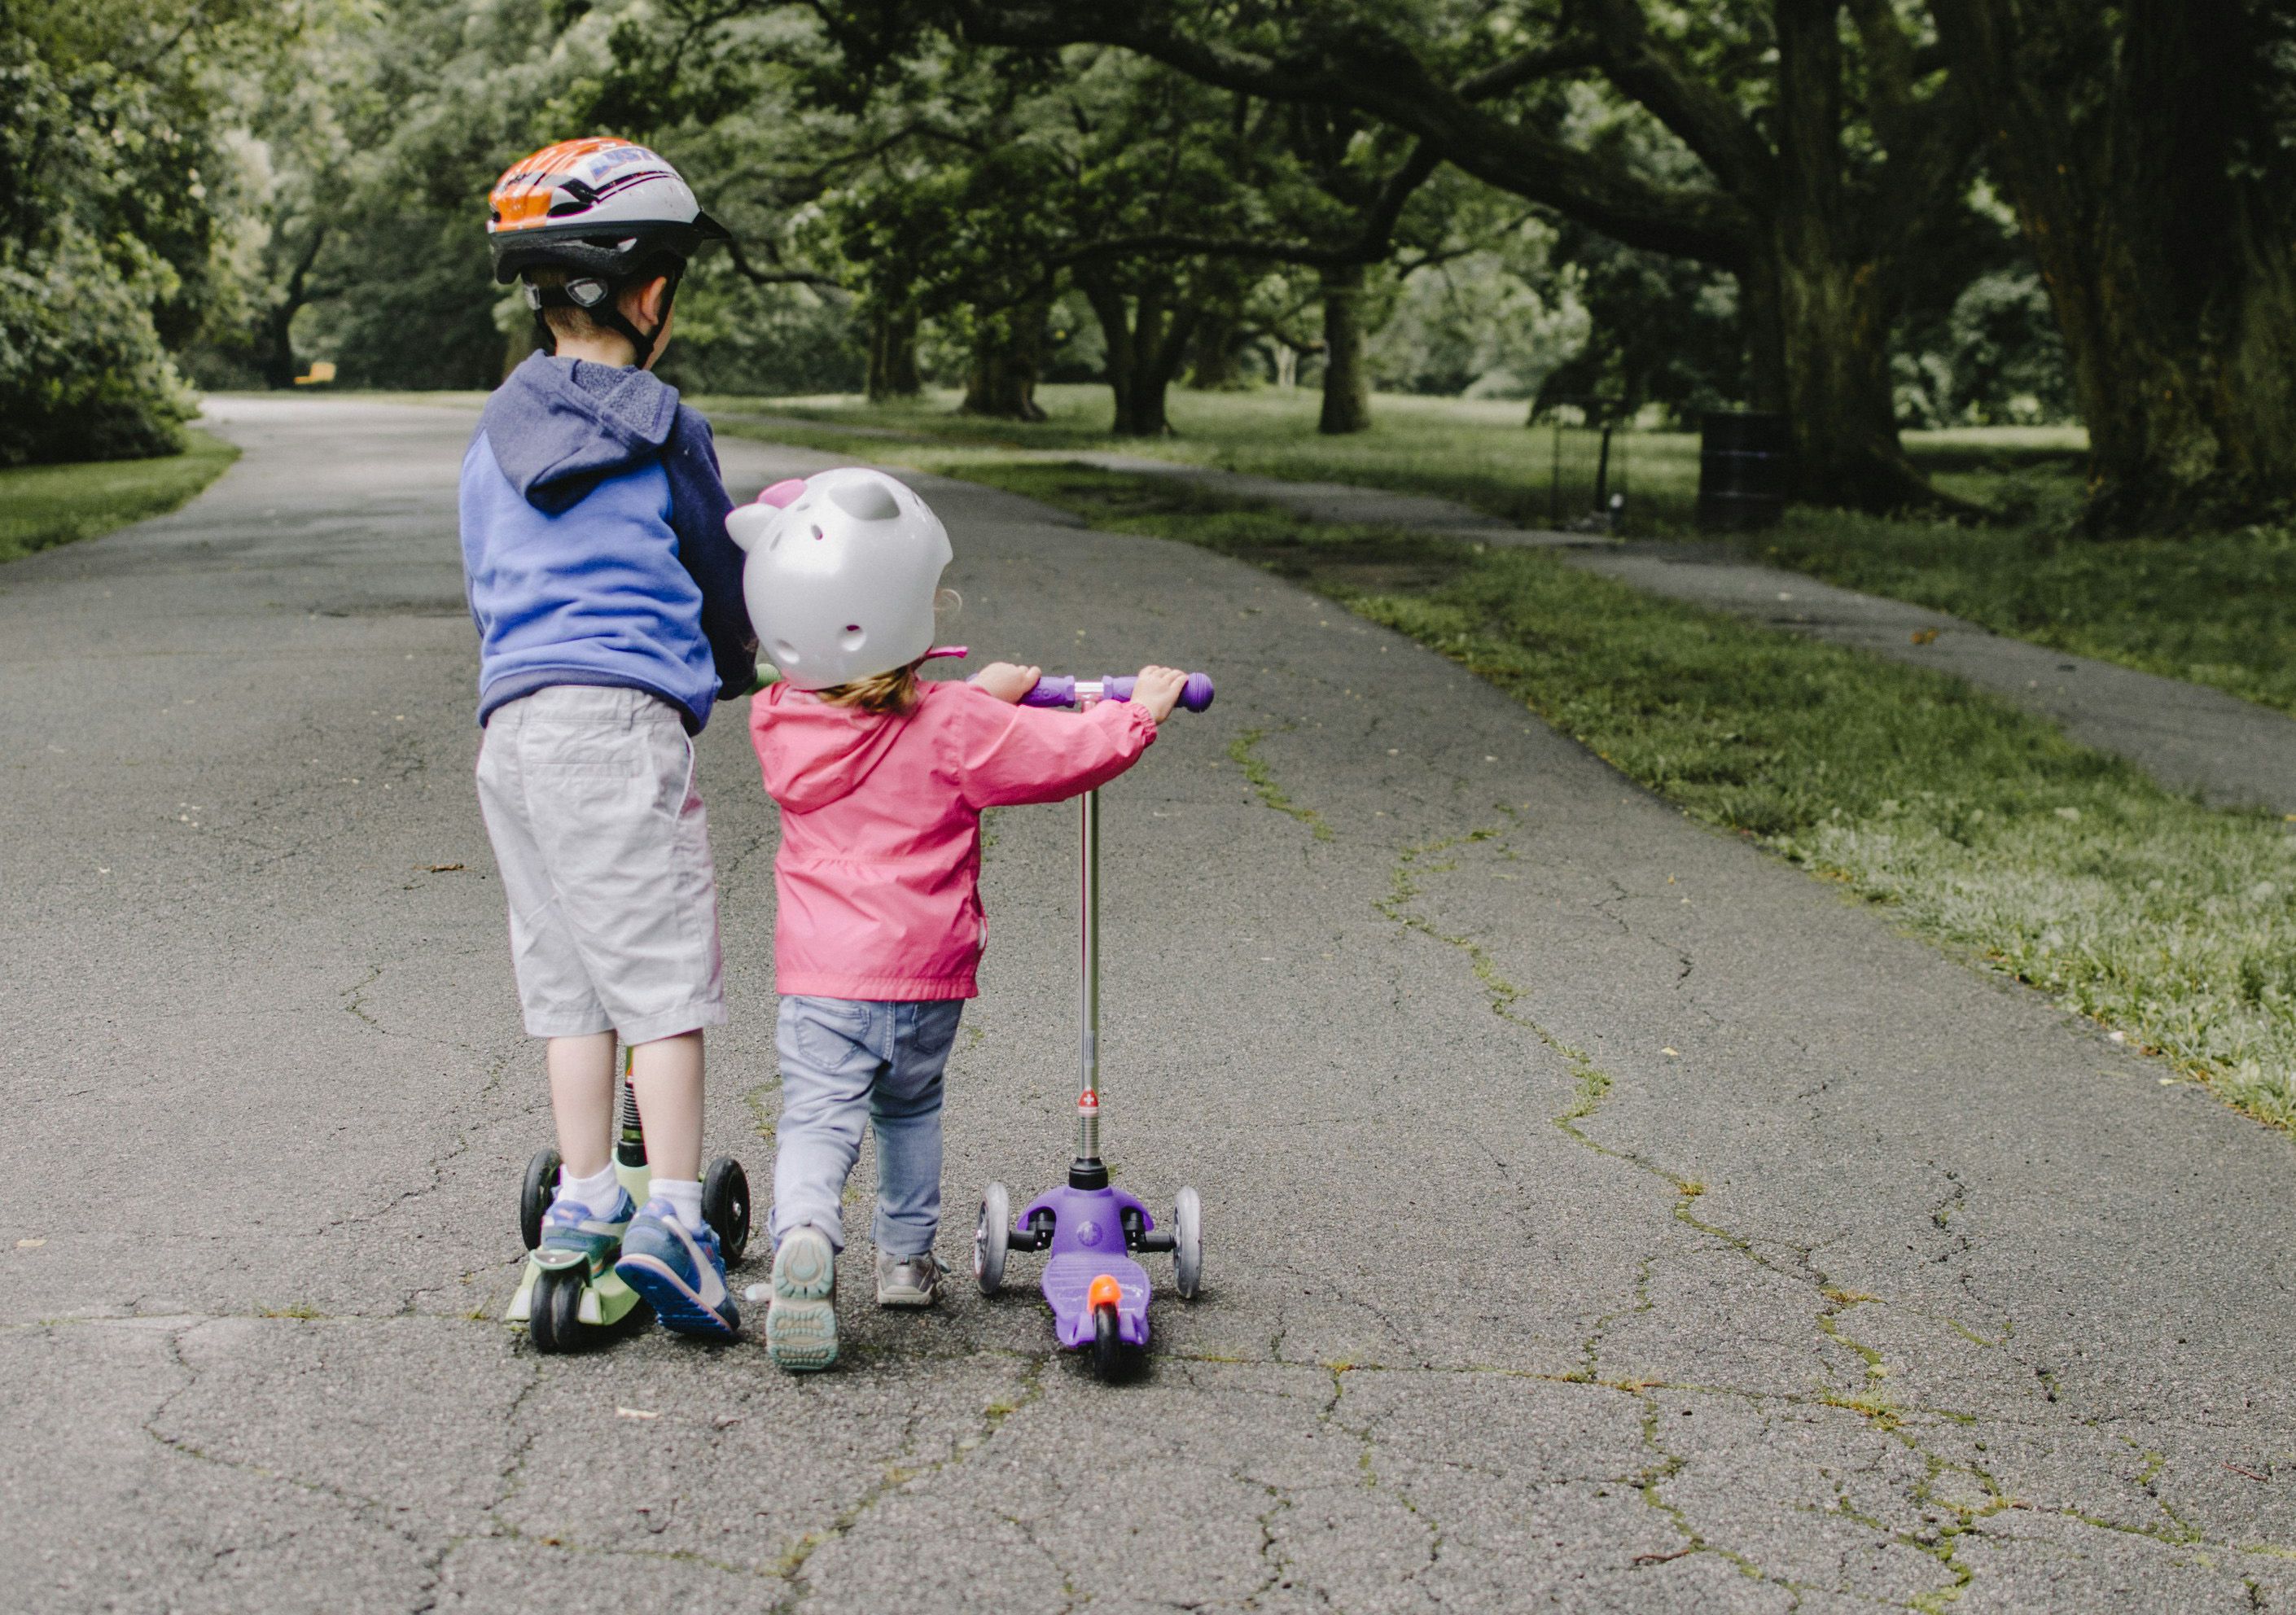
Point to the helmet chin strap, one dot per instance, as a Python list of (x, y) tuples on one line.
[(607, 310)]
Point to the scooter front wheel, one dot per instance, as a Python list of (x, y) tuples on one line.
[(555, 1320), (1187, 1243), (992, 1237), (1111, 1358)]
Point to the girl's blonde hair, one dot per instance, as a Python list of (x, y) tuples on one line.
[(880, 694)]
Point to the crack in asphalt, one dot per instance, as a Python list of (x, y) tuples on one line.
[(791, 1568), (1592, 1087)]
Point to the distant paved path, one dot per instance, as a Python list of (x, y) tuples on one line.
[(2188, 736), (1600, 1215)]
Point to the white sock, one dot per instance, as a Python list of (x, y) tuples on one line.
[(597, 1194), (685, 1196)]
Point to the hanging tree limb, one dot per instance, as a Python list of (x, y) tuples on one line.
[(1355, 65), (781, 277)]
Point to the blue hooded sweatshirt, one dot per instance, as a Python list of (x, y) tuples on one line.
[(594, 541)]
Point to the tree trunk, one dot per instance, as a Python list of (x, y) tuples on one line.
[(2163, 226), (1827, 367), (278, 345), (1346, 383), (278, 325), (1818, 313), (1216, 366), (893, 356), (1146, 340), (1007, 348)]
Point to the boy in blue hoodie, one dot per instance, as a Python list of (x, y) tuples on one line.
[(609, 604)]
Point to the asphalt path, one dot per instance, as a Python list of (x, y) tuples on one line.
[(1599, 1214)]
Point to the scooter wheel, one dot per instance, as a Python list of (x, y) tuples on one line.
[(1111, 1359), (535, 1193), (1187, 1243), (726, 1206), (555, 1322), (992, 1235)]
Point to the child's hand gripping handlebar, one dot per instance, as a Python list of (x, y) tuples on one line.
[(1054, 691)]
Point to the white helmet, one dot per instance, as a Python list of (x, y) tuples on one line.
[(842, 573)]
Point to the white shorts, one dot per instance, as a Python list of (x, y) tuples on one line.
[(604, 850)]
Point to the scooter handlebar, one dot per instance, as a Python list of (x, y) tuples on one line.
[(1055, 690)]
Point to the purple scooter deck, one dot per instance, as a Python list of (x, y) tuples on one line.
[(1088, 1242)]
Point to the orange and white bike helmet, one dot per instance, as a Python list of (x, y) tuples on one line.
[(608, 213)]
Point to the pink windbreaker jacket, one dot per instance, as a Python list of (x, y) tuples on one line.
[(878, 876)]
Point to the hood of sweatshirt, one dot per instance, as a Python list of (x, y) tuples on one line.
[(814, 753), (559, 427)]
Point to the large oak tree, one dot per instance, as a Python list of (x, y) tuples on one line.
[(2151, 150)]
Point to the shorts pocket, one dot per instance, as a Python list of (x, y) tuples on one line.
[(572, 749)]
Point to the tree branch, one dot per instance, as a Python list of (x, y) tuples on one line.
[(1530, 65), (1652, 73), (781, 277), (1363, 68), (1888, 65), (1372, 244)]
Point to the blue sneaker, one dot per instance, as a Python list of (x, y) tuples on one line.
[(571, 1232), (680, 1273)]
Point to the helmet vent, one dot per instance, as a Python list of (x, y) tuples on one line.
[(870, 501), (816, 532), (784, 652), (853, 637)]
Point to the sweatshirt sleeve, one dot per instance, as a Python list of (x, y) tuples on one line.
[(698, 507), (1013, 755)]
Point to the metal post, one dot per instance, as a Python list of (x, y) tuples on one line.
[(1555, 477), (1088, 1096)]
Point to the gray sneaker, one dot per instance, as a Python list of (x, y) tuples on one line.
[(802, 1318), (908, 1280)]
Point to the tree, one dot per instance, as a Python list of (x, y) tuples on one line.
[(1739, 153), (108, 228), (1494, 322), (2150, 149)]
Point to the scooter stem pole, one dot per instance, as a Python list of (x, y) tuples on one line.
[(1088, 1098)]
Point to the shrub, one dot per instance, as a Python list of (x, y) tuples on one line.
[(83, 375)]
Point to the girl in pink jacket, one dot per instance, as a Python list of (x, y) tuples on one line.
[(882, 779)]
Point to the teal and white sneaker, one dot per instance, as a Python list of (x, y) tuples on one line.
[(571, 1232), (801, 1321), (679, 1272)]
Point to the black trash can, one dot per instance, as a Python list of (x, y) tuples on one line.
[(1745, 469)]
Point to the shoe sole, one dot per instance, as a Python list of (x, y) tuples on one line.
[(907, 1298), (801, 1322), (673, 1300)]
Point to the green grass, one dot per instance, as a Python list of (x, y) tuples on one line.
[(2218, 610), (1981, 826), (1476, 451), (42, 506)]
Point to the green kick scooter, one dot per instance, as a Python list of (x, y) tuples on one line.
[(566, 1305)]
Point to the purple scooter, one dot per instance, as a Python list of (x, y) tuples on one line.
[(1098, 1293)]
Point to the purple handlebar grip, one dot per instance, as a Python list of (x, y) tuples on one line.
[(1055, 690)]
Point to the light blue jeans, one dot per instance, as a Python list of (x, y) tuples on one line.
[(844, 1060)]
